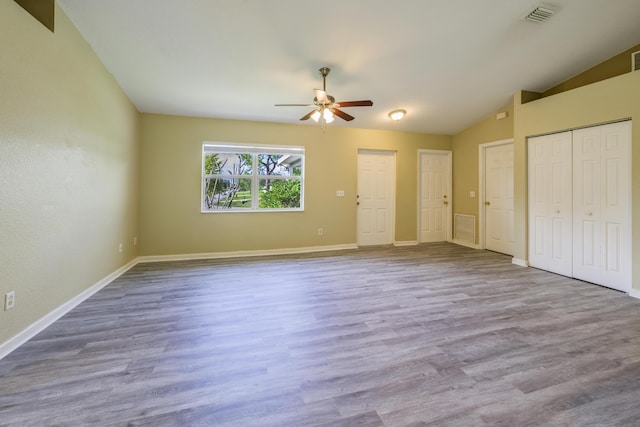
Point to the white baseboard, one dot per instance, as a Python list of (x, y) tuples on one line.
[(520, 262), (45, 321), (467, 244), (406, 243), (635, 293), (241, 254)]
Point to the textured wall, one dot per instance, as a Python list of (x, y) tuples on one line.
[(69, 167)]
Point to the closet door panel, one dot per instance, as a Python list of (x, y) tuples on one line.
[(538, 200), (560, 241), (616, 154), (586, 204), (587, 250), (614, 247), (602, 210), (550, 202), (561, 204)]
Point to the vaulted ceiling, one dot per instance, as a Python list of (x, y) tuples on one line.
[(449, 63)]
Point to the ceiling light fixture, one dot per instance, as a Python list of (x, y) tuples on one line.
[(397, 115), (323, 113), (316, 116), (328, 115)]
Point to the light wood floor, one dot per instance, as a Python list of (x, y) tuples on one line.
[(430, 335)]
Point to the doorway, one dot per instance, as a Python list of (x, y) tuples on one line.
[(496, 198), (434, 203), (376, 197)]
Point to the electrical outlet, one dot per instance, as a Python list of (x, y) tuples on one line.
[(135, 240), (9, 300), (320, 231), (120, 247)]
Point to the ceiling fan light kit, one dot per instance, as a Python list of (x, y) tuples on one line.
[(397, 115), (315, 116), (326, 107), (327, 115)]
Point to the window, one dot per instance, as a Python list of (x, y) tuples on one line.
[(249, 178)]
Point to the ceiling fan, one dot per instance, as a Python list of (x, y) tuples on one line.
[(325, 105)]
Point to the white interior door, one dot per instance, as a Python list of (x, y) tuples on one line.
[(498, 195), (376, 197), (550, 202), (435, 196), (601, 200)]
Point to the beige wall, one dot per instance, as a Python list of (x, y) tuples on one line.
[(466, 160), (68, 176), (609, 100), (170, 218), (615, 66)]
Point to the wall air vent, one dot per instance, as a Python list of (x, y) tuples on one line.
[(464, 228), (540, 14), (635, 61)]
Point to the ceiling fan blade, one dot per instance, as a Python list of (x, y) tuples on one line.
[(342, 114), (366, 103), (322, 97), (294, 105), (306, 116)]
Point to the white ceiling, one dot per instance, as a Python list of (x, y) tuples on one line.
[(449, 63)]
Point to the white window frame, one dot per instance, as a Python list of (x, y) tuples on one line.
[(254, 150)]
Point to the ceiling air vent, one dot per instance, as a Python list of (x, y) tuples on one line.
[(539, 14), (635, 61)]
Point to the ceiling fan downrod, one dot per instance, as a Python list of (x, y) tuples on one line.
[(324, 72)]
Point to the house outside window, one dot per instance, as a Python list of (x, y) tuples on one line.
[(243, 178)]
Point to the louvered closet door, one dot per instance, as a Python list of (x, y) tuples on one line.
[(601, 205), (550, 204)]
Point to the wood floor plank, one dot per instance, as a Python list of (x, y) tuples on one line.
[(435, 334)]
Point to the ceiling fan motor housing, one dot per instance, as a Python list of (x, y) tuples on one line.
[(331, 101)]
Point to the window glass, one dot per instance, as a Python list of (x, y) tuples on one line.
[(244, 178), (278, 164), (228, 163), (225, 193), (279, 193)]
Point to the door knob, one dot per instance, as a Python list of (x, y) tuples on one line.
[(487, 203)]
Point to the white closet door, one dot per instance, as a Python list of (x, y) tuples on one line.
[(550, 205), (601, 205)]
